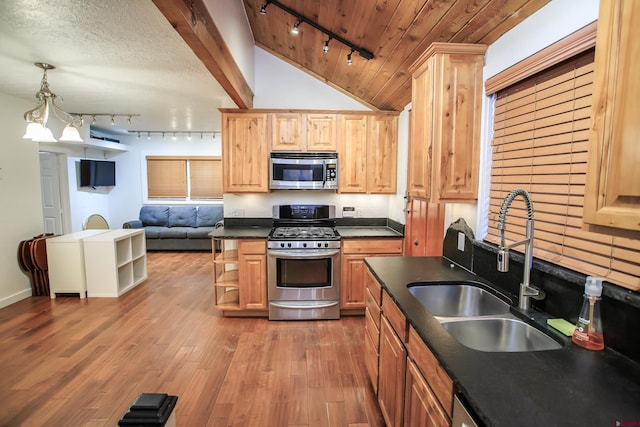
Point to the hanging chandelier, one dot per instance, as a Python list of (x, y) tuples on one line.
[(38, 117)]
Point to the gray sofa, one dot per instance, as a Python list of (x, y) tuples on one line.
[(178, 228)]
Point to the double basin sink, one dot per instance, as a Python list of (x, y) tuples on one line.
[(480, 319)]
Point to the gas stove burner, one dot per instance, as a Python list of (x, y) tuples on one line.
[(304, 233)]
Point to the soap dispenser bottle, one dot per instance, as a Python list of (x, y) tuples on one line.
[(588, 332)]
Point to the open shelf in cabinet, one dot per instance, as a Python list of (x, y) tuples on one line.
[(225, 275)]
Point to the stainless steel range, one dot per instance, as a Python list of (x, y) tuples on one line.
[(303, 251)]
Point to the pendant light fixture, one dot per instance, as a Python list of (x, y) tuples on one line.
[(38, 117)]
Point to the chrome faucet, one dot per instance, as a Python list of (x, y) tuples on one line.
[(527, 291)]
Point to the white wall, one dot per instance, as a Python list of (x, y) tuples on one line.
[(21, 213), (556, 20)]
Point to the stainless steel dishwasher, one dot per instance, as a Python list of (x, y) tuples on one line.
[(461, 415)]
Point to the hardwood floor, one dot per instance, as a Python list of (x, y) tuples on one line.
[(73, 362)]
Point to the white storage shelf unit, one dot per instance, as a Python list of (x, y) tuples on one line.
[(115, 262), (65, 258)]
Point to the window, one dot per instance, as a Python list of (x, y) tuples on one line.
[(541, 132), (186, 178)]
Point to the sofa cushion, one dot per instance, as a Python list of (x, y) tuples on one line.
[(209, 215), (200, 232), (153, 231), (174, 233), (155, 215), (182, 216)]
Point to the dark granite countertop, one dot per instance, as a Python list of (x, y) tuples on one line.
[(567, 387), (241, 232), (368, 232)]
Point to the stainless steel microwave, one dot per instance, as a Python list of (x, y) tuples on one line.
[(303, 171)]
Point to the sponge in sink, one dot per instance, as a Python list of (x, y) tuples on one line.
[(562, 326)]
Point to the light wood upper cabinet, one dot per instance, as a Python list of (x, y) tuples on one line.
[(303, 132), (368, 153), (612, 193), (286, 131), (245, 153), (352, 148), (445, 123), (321, 132)]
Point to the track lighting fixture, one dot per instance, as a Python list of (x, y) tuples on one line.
[(294, 30), (174, 134), (301, 19)]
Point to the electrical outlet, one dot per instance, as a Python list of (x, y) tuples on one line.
[(237, 212), (348, 212), (461, 238), (359, 212)]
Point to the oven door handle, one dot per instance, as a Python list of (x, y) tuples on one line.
[(304, 305), (304, 253)]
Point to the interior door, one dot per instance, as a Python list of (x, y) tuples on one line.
[(51, 201), (425, 228)]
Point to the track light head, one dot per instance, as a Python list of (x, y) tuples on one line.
[(325, 48), (294, 30), (263, 8), (349, 60)]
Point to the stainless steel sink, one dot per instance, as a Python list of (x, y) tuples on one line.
[(499, 335), (458, 300)]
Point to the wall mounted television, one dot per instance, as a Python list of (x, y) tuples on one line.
[(97, 173)]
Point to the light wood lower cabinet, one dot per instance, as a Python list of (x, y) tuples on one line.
[(421, 408), (393, 359), (353, 275), (240, 275), (413, 389)]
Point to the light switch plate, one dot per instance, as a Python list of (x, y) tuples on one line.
[(348, 212), (461, 238)]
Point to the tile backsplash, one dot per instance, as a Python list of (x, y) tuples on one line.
[(564, 288)]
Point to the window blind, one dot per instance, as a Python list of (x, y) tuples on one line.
[(541, 131), (206, 178), (166, 177)]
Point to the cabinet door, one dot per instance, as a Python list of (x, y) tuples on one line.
[(245, 154), (425, 228), (456, 127), (420, 137), (421, 408), (353, 282), (286, 131), (382, 154), (612, 193), (393, 359), (352, 148), (321, 132), (252, 275)]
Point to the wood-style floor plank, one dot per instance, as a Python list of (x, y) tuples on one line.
[(82, 362)]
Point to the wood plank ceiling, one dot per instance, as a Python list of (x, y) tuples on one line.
[(395, 31)]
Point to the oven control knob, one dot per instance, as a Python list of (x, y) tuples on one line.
[(319, 244), (282, 245), (289, 244), (326, 245), (304, 245)]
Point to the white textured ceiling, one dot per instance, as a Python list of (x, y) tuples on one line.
[(111, 56)]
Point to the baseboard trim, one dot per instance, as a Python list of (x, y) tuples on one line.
[(12, 299)]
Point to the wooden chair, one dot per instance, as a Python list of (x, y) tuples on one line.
[(95, 222)]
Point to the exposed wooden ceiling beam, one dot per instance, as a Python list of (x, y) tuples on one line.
[(192, 21)]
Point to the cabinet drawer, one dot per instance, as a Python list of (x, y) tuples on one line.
[(373, 308), (372, 246), (374, 287), (395, 316), (439, 381), (372, 330), (252, 246)]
